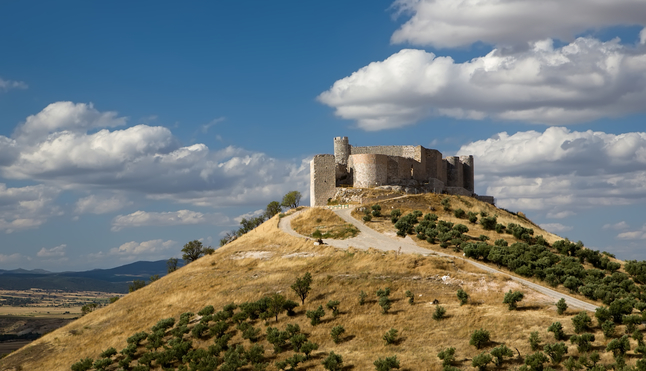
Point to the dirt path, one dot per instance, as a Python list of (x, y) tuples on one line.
[(371, 238)]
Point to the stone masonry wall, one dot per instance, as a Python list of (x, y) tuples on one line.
[(322, 179), (369, 170)]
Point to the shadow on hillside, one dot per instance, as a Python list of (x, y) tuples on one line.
[(529, 307)]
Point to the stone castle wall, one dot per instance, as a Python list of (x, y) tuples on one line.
[(413, 168), (322, 179)]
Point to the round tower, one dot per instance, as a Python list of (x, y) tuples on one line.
[(341, 150)]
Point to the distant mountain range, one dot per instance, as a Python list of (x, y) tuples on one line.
[(104, 280)]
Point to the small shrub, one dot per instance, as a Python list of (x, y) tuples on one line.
[(302, 286), (534, 341), (483, 238), (581, 322), (386, 364), (394, 215), (619, 347), (308, 347), (83, 365), (488, 223), (583, 342), (385, 304), (410, 296), (376, 211), (561, 306), (333, 362), (572, 364), (206, 311), (336, 333), (608, 329), (446, 204), (459, 213), (317, 234), (500, 352), (479, 338), (333, 305), (390, 337), (440, 313), (555, 351), (463, 297), (512, 299), (362, 297), (447, 356), (473, 217), (535, 361), (367, 218), (481, 361), (557, 329), (315, 315), (108, 353)]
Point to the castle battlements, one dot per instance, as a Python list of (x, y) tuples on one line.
[(413, 168)]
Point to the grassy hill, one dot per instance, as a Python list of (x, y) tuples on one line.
[(266, 261)]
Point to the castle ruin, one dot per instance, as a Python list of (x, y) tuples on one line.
[(413, 169)]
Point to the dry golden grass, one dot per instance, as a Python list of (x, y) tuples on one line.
[(226, 276), (324, 220)]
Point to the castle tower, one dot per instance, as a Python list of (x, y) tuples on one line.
[(341, 150), (467, 169)]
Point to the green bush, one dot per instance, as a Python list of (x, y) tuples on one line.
[(394, 215), (410, 296), (608, 329), (336, 333), (631, 322), (108, 353), (390, 337), (302, 286), (333, 362), (447, 356), (317, 234), (512, 299), (385, 304), (572, 364), (500, 352), (362, 297), (308, 347), (488, 223), (440, 313), (277, 338), (557, 329), (555, 351), (561, 306), (581, 322), (315, 315), (446, 204), (534, 341), (376, 211), (481, 361), (534, 362), (386, 364), (367, 218), (479, 338), (459, 213), (463, 297), (602, 314), (83, 365), (619, 347), (473, 217), (333, 305), (583, 342)]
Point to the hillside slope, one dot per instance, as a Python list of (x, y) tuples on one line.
[(267, 261)]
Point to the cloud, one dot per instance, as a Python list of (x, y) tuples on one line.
[(585, 80), (58, 251), (642, 36), (205, 128), (67, 146), (560, 214), (250, 215), (144, 248), (26, 207), (100, 204), (617, 226), (10, 258), (459, 23), (66, 116), (634, 235), (9, 84), (561, 171), (161, 219), (555, 227)]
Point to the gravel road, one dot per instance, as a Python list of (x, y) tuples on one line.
[(371, 238)]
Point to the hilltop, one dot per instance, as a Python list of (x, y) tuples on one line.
[(267, 261)]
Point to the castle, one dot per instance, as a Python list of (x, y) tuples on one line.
[(413, 169)]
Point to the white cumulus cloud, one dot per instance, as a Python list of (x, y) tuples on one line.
[(54, 252), (170, 218), (555, 227), (582, 81), (101, 204), (560, 171), (617, 226), (458, 23), (26, 207), (4, 258), (144, 248)]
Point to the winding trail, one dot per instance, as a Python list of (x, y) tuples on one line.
[(370, 238)]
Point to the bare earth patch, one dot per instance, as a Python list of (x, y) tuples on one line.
[(263, 255)]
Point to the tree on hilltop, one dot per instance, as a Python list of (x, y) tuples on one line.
[(273, 208), (172, 265), (192, 251), (291, 199)]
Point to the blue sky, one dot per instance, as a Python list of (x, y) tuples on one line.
[(127, 130)]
